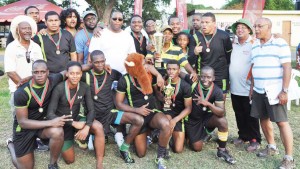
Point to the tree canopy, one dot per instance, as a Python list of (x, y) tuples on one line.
[(269, 4)]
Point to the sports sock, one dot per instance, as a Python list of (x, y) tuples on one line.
[(223, 136), (161, 151), (124, 147), (273, 146), (288, 157)]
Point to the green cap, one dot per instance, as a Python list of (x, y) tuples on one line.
[(242, 21)]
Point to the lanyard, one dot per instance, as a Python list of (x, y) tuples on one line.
[(177, 87), (208, 41), (39, 100), (140, 39), (68, 95), (98, 89), (56, 43), (210, 89), (88, 37)]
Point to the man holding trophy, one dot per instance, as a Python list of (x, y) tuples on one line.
[(208, 112), (177, 104), (166, 51)]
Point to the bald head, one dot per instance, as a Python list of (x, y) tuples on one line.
[(263, 28)]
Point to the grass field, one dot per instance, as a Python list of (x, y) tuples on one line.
[(187, 160)]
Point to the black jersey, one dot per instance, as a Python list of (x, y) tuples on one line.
[(60, 106), (219, 55), (23, 98), (103, 102), (184, 92), (57, 62), (140, 44), (197, 110), (135, 97)]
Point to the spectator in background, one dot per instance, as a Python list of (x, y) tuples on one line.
[(20, 54), (115, 43), (248, 127), (175, 24), (84, 36), (136, 26), (34, 13), (271, 70), (196, 21), (70, 20), (298, 57)]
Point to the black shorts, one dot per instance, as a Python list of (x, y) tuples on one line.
[(25, 141), (223, 84), (180, 124), (147, 120), (114, 119), (195, 129)]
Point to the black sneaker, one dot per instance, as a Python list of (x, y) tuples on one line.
[(225, 156), (41, 146), (155, 135), (53, 166), (126, 156), (167, 154)]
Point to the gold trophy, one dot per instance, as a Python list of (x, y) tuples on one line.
[(158, 43), (169, 91)]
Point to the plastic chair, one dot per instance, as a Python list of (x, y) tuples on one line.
[(294, 89)]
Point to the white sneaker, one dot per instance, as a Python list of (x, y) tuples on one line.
[(91, 142)]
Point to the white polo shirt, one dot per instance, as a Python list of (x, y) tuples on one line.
[(267, 62), (115, 46), (15, 60), (239, 67)]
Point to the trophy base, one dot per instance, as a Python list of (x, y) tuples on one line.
[(159, 64), (167, 107)]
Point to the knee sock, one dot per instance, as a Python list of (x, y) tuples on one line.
[(124, 147), (209, 131), (223, 136), (161, 151)]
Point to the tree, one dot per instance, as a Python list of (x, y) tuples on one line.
[(104, 8), (269, 4)]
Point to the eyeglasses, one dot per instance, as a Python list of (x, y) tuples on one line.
[(27, 54), (259, 26), (119, 19)]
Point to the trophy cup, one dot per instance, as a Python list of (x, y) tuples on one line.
[(169, 91), (158, 42)]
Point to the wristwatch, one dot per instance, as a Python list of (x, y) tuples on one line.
[(285, 90)]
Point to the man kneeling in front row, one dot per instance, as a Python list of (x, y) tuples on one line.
[(208, 112), (31, 101)]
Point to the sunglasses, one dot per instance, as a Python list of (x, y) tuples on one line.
[(119, 19), (27, 54)]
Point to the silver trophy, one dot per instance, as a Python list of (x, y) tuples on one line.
[(158, 43)]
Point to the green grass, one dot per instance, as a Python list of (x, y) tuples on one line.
[(187, 160)]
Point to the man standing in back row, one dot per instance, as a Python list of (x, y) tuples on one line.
[(240, 85), (58, 46), (212, 48), (271, 70)]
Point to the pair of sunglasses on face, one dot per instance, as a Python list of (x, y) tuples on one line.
[(119, 19)]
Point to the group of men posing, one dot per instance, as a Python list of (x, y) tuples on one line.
[(48, 107)]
